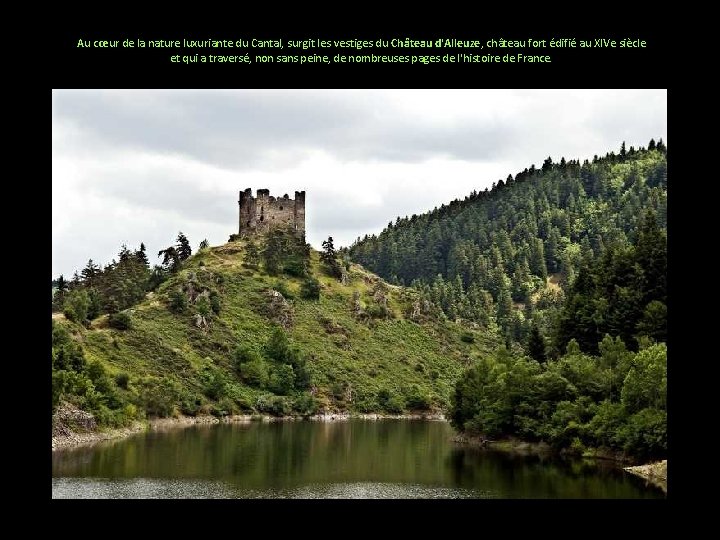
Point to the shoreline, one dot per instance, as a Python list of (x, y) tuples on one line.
[(652, 473), (72, 440)]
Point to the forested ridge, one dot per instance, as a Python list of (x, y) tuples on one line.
[(508, 255), (568, 265)]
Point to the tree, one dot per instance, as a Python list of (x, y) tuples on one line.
[(141, 256), (61, 285), (77, 303), (310, 289), (203, 245), (183, 247), (329, 257), (61, 289), (171, 259), (536, 344), (90, 273), (646, 384)]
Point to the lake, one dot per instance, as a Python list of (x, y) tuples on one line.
[(308, 459)]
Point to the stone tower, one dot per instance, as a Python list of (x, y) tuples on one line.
[(260, 213)]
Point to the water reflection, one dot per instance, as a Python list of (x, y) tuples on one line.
[(358, 458)]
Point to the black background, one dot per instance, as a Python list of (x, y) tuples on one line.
[(62, 65)]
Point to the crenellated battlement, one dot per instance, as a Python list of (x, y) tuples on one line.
[(260, 213)]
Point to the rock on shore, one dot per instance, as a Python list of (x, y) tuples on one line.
[(655, 473)]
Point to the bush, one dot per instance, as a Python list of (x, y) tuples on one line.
[(215, 384), (467, 337), (310, 289), (244, 354), (282, 379), (158, 396), (376, 311), (215, 302), (275, 405), (120, 321), (418, 399), (395, 404), (254, 373), (122, 380), (282, 288), (295, 267), (305, 404), (76, 305), (390, 402), (225, 407), (178, 301), (645, 434)]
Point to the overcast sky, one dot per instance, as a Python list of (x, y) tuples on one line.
[(141, 165)]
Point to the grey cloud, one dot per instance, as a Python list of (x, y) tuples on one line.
[(252, 129), (162, 190)]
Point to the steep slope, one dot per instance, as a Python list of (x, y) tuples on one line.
[(509, 247), (362, 346)]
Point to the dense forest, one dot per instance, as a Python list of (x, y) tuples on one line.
[(568, 263), (507, 256)]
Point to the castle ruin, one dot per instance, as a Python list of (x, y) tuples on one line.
[(260, 213)]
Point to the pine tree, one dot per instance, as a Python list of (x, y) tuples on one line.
[(141, 256), (536, 345), (182, 247), (171, 260), (329, 257)]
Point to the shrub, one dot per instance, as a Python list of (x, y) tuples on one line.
[(395, 404), (282, 380), (377, 311), (418, 399), (390, 402), (645, 434), (158, 396), (76, 305), (244, 354), (122, 380), (120, 321), (305, 404), (178, 301), (282, 288), (215, 302), (310, 289), (275, 405), (254, 373), (467, 337)]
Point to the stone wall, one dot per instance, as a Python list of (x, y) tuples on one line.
[(260, 213)]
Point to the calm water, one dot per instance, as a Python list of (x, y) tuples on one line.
[(354, 459)]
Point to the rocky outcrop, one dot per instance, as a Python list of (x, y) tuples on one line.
[(69, 419), (654, 473)]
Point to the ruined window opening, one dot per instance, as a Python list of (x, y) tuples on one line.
[(281, 208), (262, 218), (248, 223)]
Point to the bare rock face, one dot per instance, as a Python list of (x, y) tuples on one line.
[(279, 309), (69, 419), (416, 310)]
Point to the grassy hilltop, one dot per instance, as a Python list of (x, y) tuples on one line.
[(362, 346)]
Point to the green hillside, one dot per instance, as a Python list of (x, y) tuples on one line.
[(363, 346), (489, 258)]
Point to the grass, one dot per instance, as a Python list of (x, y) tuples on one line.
[(351, 360)]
